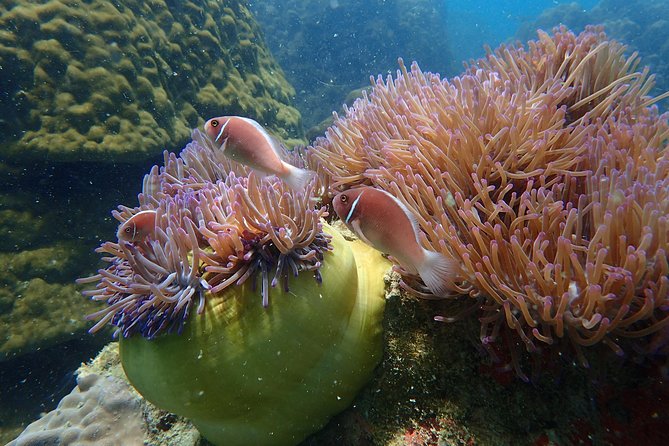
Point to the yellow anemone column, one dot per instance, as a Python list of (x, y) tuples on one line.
[(246, 375)]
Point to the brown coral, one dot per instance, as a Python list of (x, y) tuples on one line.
[(544, 170)]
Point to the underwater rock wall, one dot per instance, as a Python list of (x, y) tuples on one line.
[(108, 81)]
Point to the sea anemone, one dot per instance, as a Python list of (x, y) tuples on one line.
[(216, 226), (247, 374), (543, 170), (240, 308)]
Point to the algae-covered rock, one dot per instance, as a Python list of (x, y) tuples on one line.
[(104, 81), (50, 220), (37, 314), (54, 263)]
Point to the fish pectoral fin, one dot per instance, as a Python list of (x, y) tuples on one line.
[(224, 145), (277, 146), (355, 224), (260, 174)]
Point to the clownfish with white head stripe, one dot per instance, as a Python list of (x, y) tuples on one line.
[(385, 223), (247, 142), (138, 227)]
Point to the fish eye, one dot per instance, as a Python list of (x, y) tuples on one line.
[(214, 123), (343, 198), (128, 230)]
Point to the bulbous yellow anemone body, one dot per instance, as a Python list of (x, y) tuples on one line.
[(244, 374)]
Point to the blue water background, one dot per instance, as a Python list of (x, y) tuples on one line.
[(472, 24)]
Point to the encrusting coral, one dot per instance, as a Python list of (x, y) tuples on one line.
[(258, 321), (543, 170), (105, 81), (100, 410)]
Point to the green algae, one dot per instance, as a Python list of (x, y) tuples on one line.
[(50, 218), (39, 304), (41, 314)]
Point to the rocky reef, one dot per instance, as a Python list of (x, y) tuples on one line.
[(98, 81)]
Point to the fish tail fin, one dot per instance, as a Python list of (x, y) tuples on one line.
[(438, 272), (296, 178)]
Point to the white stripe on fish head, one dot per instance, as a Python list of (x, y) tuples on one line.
[(222, 130), (353, 206)]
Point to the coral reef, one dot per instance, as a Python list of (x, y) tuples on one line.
[(102, 399), (101, 81), (29, 389), (258, 321), (544, 171), (100, 410), (350, 39), (432, 388)]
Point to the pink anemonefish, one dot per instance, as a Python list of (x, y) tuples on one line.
[(385, 223), (247, 142), (138, 227)]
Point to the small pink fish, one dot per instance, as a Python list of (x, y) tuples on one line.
[(385, 223), (138, 227), (248, 143)]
